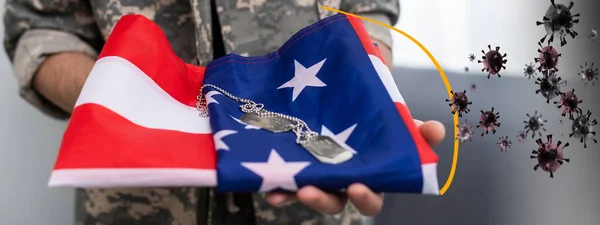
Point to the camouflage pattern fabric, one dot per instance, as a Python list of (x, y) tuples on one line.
[(35, 29)]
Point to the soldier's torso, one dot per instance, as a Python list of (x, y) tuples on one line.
[(248, 27)]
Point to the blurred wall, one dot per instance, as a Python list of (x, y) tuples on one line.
[(29, 143), (452, 30)]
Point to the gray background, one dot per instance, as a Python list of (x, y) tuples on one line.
[(490, 187)]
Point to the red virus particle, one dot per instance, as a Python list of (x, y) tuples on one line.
[(549, 85), (588, 73), (488, 121), (493, 61), (473, 86), (569, 103), (529, 71), (521, 136), (583, 128), (549, 155), (459, 103), (534, 123), (471, 57), (548, 58), (504, 143), (465, 132), (560, 21)]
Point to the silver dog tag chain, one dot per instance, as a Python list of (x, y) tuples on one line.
[(324, 148)]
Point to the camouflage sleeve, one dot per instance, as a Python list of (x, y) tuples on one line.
[(386, 11), (35, 29)]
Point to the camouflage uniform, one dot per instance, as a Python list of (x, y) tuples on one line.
[(37, 28)]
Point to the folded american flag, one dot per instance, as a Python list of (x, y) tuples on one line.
[(136, 124)]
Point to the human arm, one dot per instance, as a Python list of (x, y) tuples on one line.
[(385, 11), (52, 48)]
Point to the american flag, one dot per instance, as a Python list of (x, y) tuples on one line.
[(135, 123)]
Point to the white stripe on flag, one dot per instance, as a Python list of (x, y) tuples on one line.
[(133, 178), (120, 86), (386, 77), (430, 179)]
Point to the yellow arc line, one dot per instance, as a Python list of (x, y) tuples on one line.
[(442, 75)]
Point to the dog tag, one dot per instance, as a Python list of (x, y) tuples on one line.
[(327, 150), (273, 124)]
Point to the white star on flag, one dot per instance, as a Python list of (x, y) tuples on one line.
[(209, 97), (276, 173), (304, 77), (218, 137), (340, 138), (248, 126)]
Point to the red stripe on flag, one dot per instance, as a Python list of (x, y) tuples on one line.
[(96, 137), (426, 154), (142, 42), (364, 37)]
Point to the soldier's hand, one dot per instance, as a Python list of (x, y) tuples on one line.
[(365, 200)]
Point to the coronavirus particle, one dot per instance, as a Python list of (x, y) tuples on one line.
[(473, 86), (493, 61), (588, 73), (529, 70), (504, 143), (459, 102), (549, 85), (569, 103), (489, 121), (593, 34), (471, 57), (465, 132), (559, 20), (466, 69), (521, 136), (582, 128), (549, 155), (534, 123), (548, 58)]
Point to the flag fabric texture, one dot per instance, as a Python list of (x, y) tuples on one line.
[(135, 122)]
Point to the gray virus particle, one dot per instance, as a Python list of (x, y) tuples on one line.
[(588, 73), (583, 128), (593, 35), (534, 123), (473, 86), (465, 132), (466, 69), (471, 57), (529, 71), (504, 143), (559, 20), (549, 85)]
